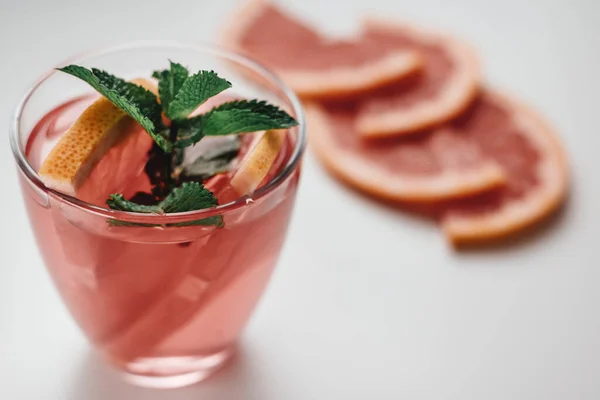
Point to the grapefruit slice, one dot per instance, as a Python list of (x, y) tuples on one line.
[(257, 162), (428, 168), (92, 135), (533, 159), (312, 65), (447, 85)]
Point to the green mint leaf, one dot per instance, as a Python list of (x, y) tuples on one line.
[(195, 90), (139, 103), (118, 202), (240, 116), (217, 220), (214, 161), (190, 131), (170, 82), (190, 196), (244, 116), (116, 222)]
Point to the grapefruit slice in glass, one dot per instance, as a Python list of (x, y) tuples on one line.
[(446, 86), (93, 135), (257, 162), (426, 168), (533, 159), (312, 65)]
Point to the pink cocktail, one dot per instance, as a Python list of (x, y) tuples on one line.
[(165, 303)]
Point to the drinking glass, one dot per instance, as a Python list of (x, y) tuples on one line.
[(161, 299)]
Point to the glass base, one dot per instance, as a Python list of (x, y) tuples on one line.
[(173, 372)]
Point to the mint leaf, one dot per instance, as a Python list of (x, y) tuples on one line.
[(190, 196), (195, 90), (139, 103), (118, 202), (244, 116), (170, 82), (116, 222), (212, 162), (190, 131), (241, 116)]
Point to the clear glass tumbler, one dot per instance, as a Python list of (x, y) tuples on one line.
[(163, 303)]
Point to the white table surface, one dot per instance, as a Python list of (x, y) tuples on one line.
[(367, 302)]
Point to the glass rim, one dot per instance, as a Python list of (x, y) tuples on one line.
[(294, 159)]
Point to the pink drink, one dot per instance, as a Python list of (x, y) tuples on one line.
[(156, 301)]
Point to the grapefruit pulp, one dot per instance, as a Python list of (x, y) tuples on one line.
[(429, 168), (446, 86), (532, 158)]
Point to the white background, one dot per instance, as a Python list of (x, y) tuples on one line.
[(367, 302)]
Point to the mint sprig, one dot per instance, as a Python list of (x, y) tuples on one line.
[(190, 196), (177, 189)]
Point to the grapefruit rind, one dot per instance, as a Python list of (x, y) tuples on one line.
[(98, 128), (258, 161), (362, 175), (512, 217), (337, 82), (347, 81), (458, 94)]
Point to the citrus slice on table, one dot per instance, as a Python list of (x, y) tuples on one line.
[(86, 142), (312, 65), (447, 85), (428, 168), (533, 159)]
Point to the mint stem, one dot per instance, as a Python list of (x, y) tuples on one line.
[(173, 131), (160, 166)]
